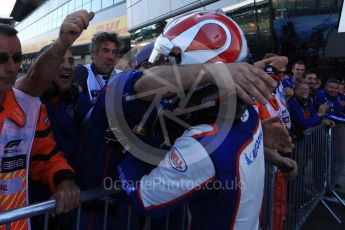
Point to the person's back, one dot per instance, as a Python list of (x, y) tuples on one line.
[(224, 187), (239, 169), (190, 166)]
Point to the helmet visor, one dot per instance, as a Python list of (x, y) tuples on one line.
[(165, 53)]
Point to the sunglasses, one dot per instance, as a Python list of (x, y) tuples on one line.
[(17, 58)]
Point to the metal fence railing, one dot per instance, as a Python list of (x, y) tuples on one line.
[(321, 159), (286, 205), (306, 191), (7, 217), (337, 147), (177, 219), (335, 163)]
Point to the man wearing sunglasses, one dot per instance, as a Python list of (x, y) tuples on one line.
[(26, 139)]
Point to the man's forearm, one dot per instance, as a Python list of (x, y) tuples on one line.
[(43, 72), (171, 80), (246, 80)]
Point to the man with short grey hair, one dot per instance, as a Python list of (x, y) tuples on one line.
[(104, 54)]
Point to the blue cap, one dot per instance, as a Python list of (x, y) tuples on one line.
[(143, 54)]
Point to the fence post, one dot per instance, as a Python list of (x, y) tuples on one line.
[(329, 155)]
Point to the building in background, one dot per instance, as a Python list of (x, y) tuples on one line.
[(41, 26), (296, 28), (8, 21), (281, 26)]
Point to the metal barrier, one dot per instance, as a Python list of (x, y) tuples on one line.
[(336, 163), (286, 205), (7, 217), (337, 147), (179, 217), (321, 159), (306, 191)]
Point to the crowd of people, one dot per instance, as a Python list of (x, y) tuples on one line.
[(309, 103), (227, 118)]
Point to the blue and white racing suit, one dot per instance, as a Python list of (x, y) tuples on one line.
[(224, 188)]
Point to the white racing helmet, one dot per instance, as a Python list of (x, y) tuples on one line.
[(200, 37)]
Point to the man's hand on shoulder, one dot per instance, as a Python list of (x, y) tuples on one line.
[(251, 82)]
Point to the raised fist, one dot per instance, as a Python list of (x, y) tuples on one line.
[(73, 25)]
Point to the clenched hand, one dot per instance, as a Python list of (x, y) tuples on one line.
[(71, 28), (67, 195)]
